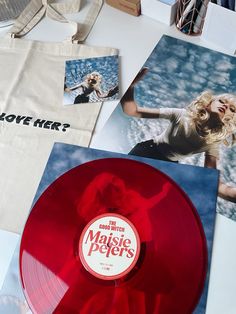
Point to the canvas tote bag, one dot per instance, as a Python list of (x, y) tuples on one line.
[(32, 116)]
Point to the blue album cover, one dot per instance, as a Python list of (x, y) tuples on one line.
[(181, 107), (200, 186)]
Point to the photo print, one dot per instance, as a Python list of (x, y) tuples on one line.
[(181, 108), (91, 80)]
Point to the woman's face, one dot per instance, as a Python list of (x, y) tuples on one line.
[(222, 108)]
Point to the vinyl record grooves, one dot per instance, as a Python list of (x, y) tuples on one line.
[(166, 277)]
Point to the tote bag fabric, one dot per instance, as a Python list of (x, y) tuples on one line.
[(32, 116)]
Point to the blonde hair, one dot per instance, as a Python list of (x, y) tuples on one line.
[(94, 73), (199, 116)]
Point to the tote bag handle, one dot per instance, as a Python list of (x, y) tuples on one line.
[(37, 9)]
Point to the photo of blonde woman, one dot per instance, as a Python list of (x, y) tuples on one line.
[(180, 107), (201, 127)]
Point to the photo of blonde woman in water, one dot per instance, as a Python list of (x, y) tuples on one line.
[(91, 80), (201, 127), (180, 108)]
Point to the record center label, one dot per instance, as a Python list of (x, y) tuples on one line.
[(109, 246)]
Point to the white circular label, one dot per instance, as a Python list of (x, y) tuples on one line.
[(109, 246)]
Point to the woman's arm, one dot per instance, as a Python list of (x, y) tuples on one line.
[(110, 93), (69, 89), (225, 191), (130, 106)]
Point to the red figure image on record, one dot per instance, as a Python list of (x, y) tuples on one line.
[(170, 273)]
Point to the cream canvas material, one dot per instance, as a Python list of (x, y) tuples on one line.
[(32, 116)]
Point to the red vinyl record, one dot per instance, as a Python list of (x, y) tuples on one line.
[(113, 236)]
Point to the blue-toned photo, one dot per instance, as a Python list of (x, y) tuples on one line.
[(181, 108), (91, 80)]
